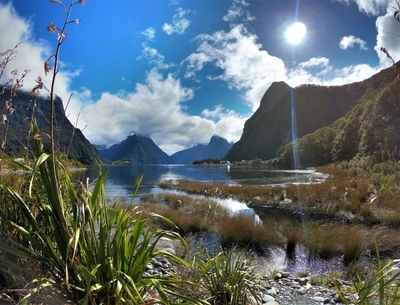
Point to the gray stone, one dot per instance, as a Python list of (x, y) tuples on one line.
[(267, 298), (318, 299)]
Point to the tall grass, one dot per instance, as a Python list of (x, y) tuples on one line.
[(188, 214)]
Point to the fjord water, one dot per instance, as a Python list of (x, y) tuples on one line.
[(121, 178)]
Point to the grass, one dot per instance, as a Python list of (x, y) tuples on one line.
[(188, 214), (242, 230), (98, 258)]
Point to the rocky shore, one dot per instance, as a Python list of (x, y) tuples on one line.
[(286, 290), (283, 289)]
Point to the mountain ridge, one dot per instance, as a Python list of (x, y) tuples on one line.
[(136, 149), (216, 148), (270, 128), (370, 129), (68, 139)]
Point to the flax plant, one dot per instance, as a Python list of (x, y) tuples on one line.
[(230, 278)]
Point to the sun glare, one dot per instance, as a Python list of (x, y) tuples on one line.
[(296, 32)]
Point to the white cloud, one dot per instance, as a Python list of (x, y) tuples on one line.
[(156, 108), (320, 71), (237, 12), (149, 33), (349, 41), (388, 37), (242, 62), (179, 22), (153, 56), (32, 54), (315, 62), (370, 7), (228, 123)]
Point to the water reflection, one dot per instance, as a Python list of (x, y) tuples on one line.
[(121, 178), (302, 263)]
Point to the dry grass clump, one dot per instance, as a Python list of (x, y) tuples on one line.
[(329, 240), (242, 230), (350, 241), (189, 214)]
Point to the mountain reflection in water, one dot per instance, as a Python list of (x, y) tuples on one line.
[(121, 178)]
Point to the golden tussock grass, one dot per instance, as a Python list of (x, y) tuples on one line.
[(242, 230)]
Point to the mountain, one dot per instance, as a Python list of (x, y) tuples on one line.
[(312, 106), (215, 149), (68, 139), (371, 128), (136, 149)]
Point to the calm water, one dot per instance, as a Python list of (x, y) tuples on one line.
[(121, 178)]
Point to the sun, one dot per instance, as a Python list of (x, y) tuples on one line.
[(296, 32)]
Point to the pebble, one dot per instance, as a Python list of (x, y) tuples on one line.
[(299, 291)]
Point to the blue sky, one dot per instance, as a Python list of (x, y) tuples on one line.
[(181, 71)]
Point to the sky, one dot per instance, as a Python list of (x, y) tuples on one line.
[(181, 71)]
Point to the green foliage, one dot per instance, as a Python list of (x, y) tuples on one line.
[(207, 161), (382, 288), (230, 279), (371, 128), (314, 149)]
